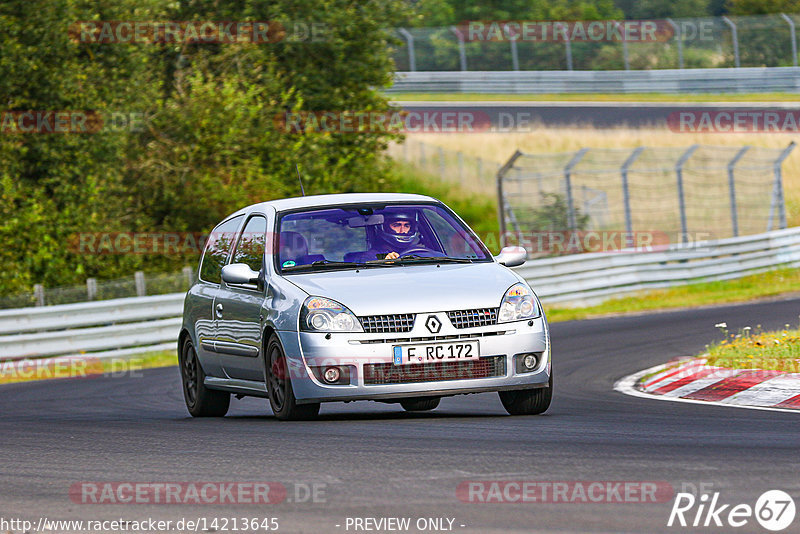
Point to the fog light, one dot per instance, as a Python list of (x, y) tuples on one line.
[(332, 374), (527, 362)]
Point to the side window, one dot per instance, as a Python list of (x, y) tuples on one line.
[(252, 242), (219, 245)]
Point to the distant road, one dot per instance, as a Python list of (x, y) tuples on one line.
[(596, 114)]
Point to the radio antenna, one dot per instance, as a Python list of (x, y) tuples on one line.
[(297, 168)]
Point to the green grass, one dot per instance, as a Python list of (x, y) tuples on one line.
[(768, 284), (87, 367), (580, 97), (775, 351)]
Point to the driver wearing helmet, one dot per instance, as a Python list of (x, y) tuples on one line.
[(398, 233)]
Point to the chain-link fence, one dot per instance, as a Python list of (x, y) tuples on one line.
[(755, 41), (470, 173), (704, 190), (137, 285)]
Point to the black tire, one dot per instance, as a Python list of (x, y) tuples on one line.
[(200, 400), (279, 386), (528, 401), (420, 404)]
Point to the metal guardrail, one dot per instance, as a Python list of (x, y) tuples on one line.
[(714, 80), (593, 277), (110, 326), (124, 326), (85, 314)]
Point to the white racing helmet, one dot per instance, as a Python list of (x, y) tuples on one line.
[(395, 239)]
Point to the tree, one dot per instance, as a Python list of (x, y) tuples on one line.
[(658, 9), (762, 7)]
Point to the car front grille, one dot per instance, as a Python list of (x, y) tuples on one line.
[(473, 318), (388, 373), (387, 324)]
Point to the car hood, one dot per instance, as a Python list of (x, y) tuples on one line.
[(411, 288)]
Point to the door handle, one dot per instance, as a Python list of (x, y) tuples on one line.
[(219, 310)]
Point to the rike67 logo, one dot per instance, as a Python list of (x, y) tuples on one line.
[(774, 510)]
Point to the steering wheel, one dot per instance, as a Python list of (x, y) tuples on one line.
[(414, 250)]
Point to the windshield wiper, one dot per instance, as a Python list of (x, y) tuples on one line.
[(413, 258), (323, 264), (328, 264)]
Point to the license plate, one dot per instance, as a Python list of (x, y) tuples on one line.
[(435, 352)]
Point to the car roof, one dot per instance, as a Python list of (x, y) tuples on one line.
[(314, 201)]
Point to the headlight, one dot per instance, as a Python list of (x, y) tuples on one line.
[(519, 303), (326, 315)]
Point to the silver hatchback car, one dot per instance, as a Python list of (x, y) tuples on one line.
[(384, 297)]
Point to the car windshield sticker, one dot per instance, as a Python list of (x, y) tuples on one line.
[(289, 263)]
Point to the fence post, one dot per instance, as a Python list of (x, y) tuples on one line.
[(567, 44), (91, 288), (732, 189), (626, 198), (681, 199), (141, 289), (188, 273), (678, 39), (778, 202), (501, 199), (462, 50), (514, 53), (38, 294), (624, 48), (412, 60), (794, 37), (735, 37), (568, 184)]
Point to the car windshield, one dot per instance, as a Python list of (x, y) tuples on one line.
[(374, 236)]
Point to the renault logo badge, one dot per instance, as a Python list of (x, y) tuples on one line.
[(433, 324)]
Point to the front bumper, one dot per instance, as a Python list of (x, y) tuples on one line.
[(498, 344)]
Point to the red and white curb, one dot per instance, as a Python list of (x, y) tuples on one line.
[(693, 381)]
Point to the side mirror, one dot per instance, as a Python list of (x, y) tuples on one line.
[(512, 256), (239, 273)]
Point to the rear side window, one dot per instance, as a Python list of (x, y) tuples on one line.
[(252, 242), (218, 247)]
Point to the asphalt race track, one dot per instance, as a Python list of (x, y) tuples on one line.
[(510, 116), (373, 460)]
